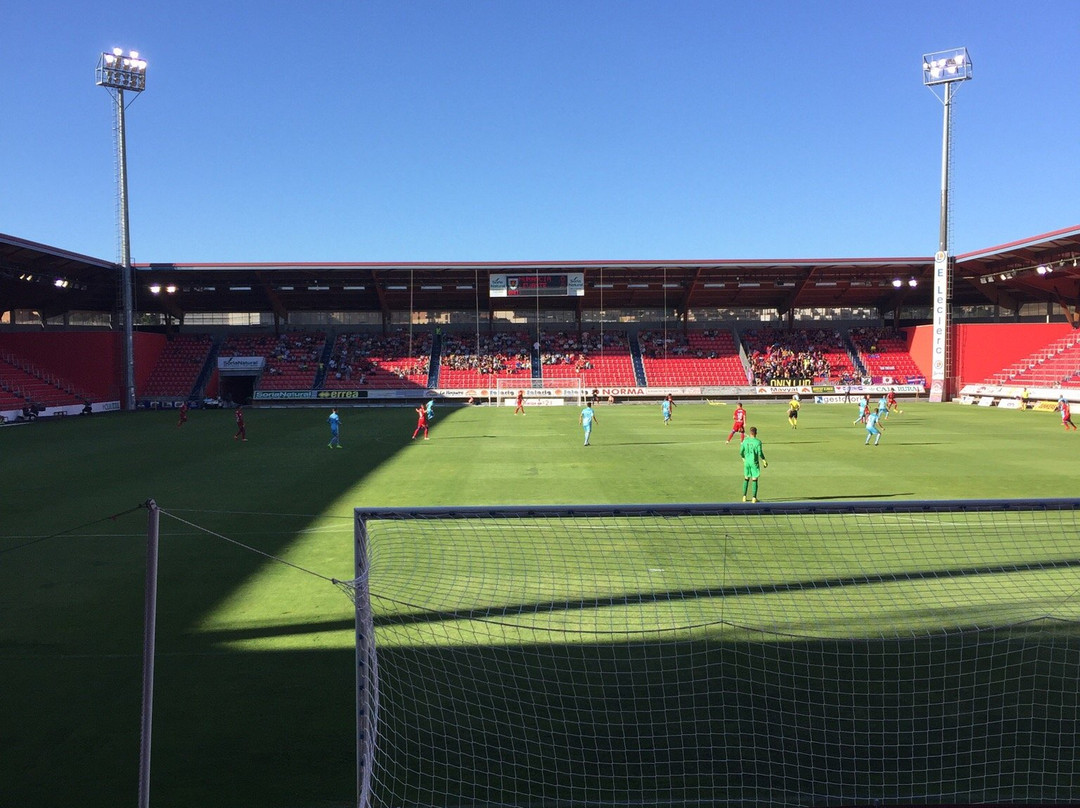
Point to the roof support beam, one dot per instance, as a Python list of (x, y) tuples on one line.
[(1002, 299), (1073, 317), (894, 301), (172, 308), (995, 294), (1073, 298), (376, 284), (273, 297), (788, 303), (691, 287)]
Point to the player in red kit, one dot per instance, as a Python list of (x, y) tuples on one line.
[(241, 430), (1066, 414), (183, 414), (890, 400), (520, 403), (421, 422), (738, 423)]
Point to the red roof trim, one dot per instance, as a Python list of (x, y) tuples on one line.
[(528, 265), (1026, 242)]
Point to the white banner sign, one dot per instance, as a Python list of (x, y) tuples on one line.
[(938, 370), (241, 364)]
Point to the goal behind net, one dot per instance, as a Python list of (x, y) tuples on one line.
[(553, 391), (706, 655)]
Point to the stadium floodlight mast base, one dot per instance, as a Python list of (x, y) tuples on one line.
[(118, 73), (149, 645), (944, 70)]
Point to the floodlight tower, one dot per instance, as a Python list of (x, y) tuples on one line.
[(118, 73), (942, 73)]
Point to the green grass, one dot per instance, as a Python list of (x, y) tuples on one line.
[(254, 679)]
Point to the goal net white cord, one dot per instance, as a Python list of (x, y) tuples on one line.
[(563, 390), (688, 655)]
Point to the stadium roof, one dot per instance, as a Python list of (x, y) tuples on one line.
[(29, 273), (1042, 269)]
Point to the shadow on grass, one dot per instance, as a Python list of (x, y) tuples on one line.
[(233, 727), (844, 497), (942, 719), (863, 579), (550, 723)]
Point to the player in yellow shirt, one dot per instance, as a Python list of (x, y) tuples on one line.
[(793, 411)]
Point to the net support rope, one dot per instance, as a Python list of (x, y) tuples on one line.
[(558, 680)]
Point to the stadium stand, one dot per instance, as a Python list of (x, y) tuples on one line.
[(709, 357), (10, 401), (389, 361), (599, 361), (505, 355), (23, 383), (292, 358), (884, 353), (1055, 365), (178, 366), (819, 354)]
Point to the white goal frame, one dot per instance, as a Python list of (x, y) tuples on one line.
[(548, 391), (787, 777)]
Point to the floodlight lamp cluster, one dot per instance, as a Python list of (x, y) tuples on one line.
[(1042, 270), (122, 72), (912, 282), (157, 288), (57, 281), (946, 66)]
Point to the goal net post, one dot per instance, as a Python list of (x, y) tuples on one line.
[(677, 655), (545, 391)]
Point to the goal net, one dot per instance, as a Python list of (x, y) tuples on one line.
[(706, 655), (546, 391)]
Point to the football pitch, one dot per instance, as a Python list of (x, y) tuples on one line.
[(255, 676)]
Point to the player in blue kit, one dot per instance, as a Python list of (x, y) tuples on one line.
[(587, 419), (883, 408), (873, 428), (665, 408), (864, 410), (335, 424)]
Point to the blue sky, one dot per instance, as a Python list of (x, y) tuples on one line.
[(416, 130)]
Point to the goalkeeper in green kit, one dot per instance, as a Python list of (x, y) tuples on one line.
[(753, 455)]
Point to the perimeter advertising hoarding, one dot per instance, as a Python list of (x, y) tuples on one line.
[(570, 284), (820, 393)]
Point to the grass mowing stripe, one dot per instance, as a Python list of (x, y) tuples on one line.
[(71, 629)]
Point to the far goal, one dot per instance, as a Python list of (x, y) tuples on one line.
[(680, 655), (553, 391)]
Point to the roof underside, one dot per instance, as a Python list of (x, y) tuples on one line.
[(1007, 276)]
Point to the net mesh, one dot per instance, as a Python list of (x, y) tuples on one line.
[(743, 656), (568, 390)]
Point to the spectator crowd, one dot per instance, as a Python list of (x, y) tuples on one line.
[(503, 353), (805, 354), (655, 345), (356, 356), (562, 348)]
